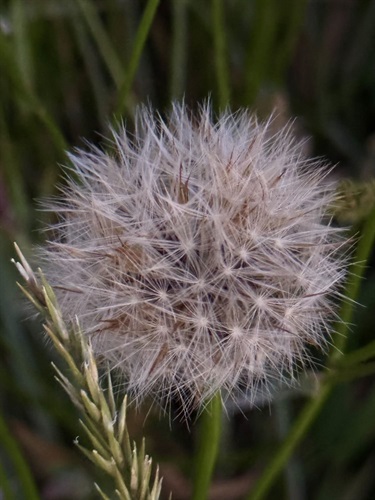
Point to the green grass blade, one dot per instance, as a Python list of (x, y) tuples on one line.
[(282, 455), (221, 63), (8, 68), (22, 43), (22, 469), (139, 42), (356, 272), (294, 12), (103, 41), (262, 38), (179, 49), (95, 76)]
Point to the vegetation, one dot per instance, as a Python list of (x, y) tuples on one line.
[(68, 71)]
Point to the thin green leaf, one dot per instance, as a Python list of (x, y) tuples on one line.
[(139, 42)]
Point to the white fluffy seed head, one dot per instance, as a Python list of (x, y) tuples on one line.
[(196, 255)]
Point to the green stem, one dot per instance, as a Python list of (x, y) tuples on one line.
[(221, 64), (342, 376), (301, 425), (208, 447), (312, 407), (358, 356), (140, 40), (356, 272), (20, 465)]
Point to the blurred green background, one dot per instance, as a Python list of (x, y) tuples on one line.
[(68, 69)]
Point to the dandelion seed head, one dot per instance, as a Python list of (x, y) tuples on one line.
[(196, 254)]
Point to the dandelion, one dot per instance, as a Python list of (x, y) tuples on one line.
[(196, 255)]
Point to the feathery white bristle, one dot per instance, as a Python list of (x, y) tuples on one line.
[(195, 255)]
